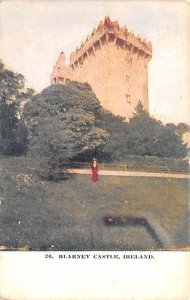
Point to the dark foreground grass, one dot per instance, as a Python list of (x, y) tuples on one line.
[(68, 215)]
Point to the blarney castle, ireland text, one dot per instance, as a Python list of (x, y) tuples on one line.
[(114, 61)]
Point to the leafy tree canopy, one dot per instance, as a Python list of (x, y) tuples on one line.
[(180, 129), (12, 87), (13, 133), (63, 123), (143, 135)]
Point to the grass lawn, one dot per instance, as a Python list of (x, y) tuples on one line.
[(67, 215)]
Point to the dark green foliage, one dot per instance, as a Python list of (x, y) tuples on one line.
[(62, 121), (180, 129), (13, 132), (148, 136), (67, 123), (12, 87), (142, 135), (117, 129)]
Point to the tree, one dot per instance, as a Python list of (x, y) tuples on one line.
[(62, 121), (182, 128), (142, 135), (148, 136), (13, 132), (116, 142)]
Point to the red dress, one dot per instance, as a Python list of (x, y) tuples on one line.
[(94, 172)]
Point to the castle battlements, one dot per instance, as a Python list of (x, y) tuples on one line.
[(110, 31), (110, 56)]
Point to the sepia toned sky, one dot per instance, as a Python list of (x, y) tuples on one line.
[(33, 33)]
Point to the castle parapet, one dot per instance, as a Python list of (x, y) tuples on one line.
[(89, 43), (108, 29)]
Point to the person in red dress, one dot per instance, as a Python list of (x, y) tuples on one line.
[(94, 168)]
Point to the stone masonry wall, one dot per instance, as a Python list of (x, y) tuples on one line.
[(114, 64)]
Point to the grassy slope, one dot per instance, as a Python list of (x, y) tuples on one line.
[(68, 214)]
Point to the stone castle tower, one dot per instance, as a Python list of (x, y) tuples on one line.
[(114, 62)]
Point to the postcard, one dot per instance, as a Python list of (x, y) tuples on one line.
[(94, 150)]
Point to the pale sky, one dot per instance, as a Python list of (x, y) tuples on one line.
[(33, 33)]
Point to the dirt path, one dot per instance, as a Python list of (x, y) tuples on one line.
[(130, 173)]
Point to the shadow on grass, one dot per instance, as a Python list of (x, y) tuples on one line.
[(136, 222)]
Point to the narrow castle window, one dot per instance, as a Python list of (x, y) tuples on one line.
[(128, 98), (127, 58), (128, 78)]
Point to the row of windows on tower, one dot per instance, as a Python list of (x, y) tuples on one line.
[(63, 80), (57, 80)]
